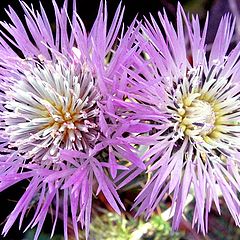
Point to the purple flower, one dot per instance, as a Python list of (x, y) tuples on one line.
[(54, 97), (188, 93)]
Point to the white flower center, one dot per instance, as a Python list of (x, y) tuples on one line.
[(52, 107), (205, 110), (197, 116)]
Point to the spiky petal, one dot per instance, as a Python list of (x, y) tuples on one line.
[(54, 128), (190, 99)]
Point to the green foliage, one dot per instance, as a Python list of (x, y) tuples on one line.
[(162, 229), (111, 226), (30, 235)]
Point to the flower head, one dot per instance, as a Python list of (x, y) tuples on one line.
[(189, 95), (54, 130), (51, 106)]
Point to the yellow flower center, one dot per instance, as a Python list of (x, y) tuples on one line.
[(197, 116)]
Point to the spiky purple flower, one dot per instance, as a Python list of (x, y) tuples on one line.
[(188, 93), (54, 129)]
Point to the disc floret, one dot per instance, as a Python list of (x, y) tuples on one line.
[(197, 117), (52, 107)]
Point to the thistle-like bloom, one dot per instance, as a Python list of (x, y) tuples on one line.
[(189, 93), (54, 131)]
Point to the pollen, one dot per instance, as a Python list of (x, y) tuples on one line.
[(52, 107), (198, 116)]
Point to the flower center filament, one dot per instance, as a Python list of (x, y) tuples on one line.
[(52, 107), (197, 117), (204, 109)]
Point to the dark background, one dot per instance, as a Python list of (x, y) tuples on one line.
[(87, 10)]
